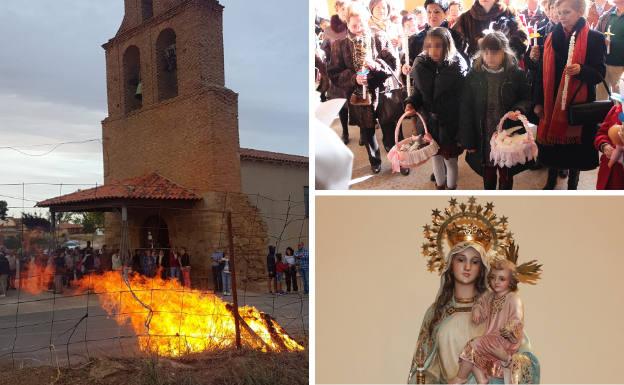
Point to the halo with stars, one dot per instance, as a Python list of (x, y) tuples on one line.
[(464, 213)]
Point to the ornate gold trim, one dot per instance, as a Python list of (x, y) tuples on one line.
[(497, 303), (463, 221), (452, 310), (465, 300)]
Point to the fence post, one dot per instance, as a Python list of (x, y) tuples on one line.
[(233, 273)]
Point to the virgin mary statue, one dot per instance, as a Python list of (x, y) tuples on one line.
[(460, 244)]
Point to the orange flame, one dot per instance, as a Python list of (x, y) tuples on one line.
[(35, 279), (171, 320)]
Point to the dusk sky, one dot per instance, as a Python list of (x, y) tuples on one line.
[(53, 86)]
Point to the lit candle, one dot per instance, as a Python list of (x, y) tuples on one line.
[(407, 61), (608, 35), (534, 34), (567, 77)]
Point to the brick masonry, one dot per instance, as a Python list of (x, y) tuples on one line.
[(191, 138)]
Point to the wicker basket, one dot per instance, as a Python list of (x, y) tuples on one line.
[(413, 151), (508, 150)]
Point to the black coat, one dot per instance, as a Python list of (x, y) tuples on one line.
[(4, 265), (271, 260), (514, 95), (436, 95), (342, 73), (185, 260), (581, 156)]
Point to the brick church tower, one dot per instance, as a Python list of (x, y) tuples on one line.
[(173, 128), (169, 110), (172, 161)]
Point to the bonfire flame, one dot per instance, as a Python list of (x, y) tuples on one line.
[(171, 320), (36, 278)]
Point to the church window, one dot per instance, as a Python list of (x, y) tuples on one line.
[(147, 9), (133, 87), (167, 65)]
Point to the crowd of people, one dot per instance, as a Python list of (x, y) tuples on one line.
[(55, 270), (283, 269), (171, 263), (465, 70)]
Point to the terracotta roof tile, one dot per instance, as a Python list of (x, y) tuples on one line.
[(251, 154), (152, 186)]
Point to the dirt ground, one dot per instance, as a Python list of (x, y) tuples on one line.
[(229, 367)]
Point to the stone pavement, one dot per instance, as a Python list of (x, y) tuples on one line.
[(418, 179)]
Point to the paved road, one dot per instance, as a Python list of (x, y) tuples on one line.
[(28, 331)]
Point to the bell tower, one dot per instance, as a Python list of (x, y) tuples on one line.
[(168, 108)]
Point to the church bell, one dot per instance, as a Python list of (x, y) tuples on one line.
[(139, 91)]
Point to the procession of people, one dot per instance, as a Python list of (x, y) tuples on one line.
[(509, 88)]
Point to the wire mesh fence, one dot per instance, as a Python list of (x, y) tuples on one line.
[(62, 316)]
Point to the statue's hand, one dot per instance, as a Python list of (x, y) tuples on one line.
[(477, 316)]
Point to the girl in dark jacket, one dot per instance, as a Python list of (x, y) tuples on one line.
[(494, 86), (438, 75), (562, 146), (344, 70)]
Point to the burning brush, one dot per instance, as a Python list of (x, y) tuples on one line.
[(171, 320)]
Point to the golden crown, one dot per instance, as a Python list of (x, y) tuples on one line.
[(457, 233), (460, 222)]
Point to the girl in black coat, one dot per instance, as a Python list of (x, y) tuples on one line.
[(494, 86), (438, 75), (573, 147)]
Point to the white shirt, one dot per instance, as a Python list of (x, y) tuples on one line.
[(289, 259)]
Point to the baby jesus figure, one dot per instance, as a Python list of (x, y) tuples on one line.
[(491, 354)]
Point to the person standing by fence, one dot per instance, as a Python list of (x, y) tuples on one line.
[(59, 271), (185, 267), (303, 257), (216, 271), (174, 265), (281, 269), (291, 273), (271, 268), (5, 270), (226, 276), (12, 266)]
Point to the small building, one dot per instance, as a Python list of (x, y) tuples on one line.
[(280, 184), (69, 228), (10, 228)]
